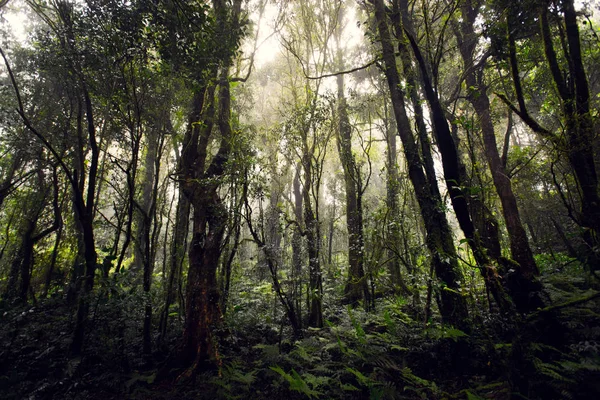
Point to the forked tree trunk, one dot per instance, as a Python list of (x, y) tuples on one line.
[(455, 182), (575, 95), (453, 307), (201, 183), (519, 243)]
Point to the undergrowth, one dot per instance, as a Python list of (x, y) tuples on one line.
[(382, 354)]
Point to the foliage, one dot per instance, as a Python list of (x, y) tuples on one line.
[(115, 86)]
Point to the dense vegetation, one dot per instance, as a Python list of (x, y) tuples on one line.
[(300, 199)]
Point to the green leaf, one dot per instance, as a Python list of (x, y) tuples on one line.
[(472, 396), (349, 388)]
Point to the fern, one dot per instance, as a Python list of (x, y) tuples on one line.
[(297, 383), (341, 344), (446, 333), (301, 353), (552, 371), (358, 329), (416, 383), (362, 379)]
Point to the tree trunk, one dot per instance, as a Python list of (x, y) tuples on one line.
[(21, 265), (201, 185), (573, 89), (202, 296), (580, 132), (439, 238), (144, 250), (356, 287), (7, 182), (477, 96), (454, 178), (313, 244), (296, 293), (177, 256), (85, 215)]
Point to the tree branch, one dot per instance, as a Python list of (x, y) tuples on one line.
[(21, 112), (525, 117)]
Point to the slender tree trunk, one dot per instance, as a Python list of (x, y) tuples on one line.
[(142, 211), (21, 264), (7, 181), (454, 177), (288, 302), (296, 293), (580, 127), (234, 242), (177, 256), (356, 287), (85, 209), (29, 239), (313, 239), (392, 184), (519, 243), (439, 238), (53, 259), (146, 212)]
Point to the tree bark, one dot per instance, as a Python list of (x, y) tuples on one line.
[(296, 293), (177, 256), (580, 127), (477, 96), (453, 306), (356, 287), (201, 185), (313, 244)]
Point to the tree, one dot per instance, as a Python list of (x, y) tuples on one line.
[(199, 175), (478, 97), (572, 88), (439, 239), (356, 289)]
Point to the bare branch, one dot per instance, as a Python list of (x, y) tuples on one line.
[(525, 117), (21, 112)]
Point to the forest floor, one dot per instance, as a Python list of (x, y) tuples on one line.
[(383, 354)]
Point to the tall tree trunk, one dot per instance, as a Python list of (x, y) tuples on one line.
[(573, 89), (144, 245), (177, 256), (201, 185), (235, 231), (296, 293), (477, 96), (85, 209), (393, 221), (453, 306), (313, 244), (579, 126), (144, 204), (454, 177), (83, 201), (289, 304), (356, 287)]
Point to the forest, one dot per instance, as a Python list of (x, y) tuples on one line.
[(301, 199)]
